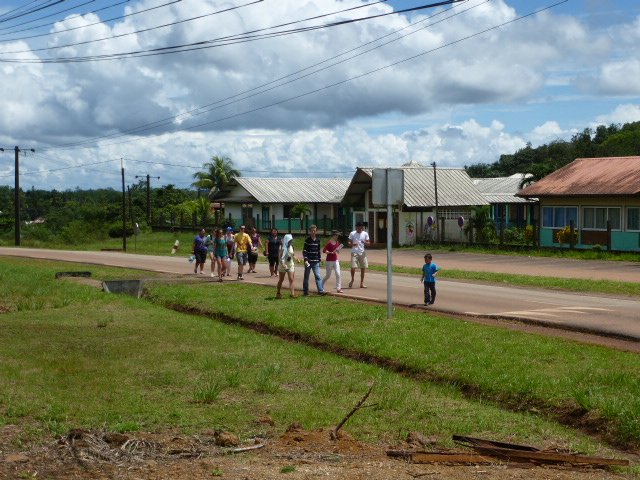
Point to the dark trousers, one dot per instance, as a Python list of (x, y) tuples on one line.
[(429, 292)]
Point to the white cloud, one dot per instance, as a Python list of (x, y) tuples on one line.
[(626, 113), (545, 56)]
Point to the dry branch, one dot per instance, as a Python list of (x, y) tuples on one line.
[(359, 405)]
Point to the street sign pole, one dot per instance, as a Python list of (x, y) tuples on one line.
[(389, 250), (388, 189)]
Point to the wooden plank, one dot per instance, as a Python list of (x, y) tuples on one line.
[(548, 457), (492, 443)]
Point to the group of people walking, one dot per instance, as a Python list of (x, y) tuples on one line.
[(222, 246)]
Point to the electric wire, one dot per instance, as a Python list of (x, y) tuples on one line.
[(34, 10), (119, 17), (199, 17), (223, 41), (326, 87), (49, 16), (8, 12), (347, 80), (261, 88)]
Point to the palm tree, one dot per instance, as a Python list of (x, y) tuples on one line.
[(216, 174), (481, 223), (535, 172), (300, 210)]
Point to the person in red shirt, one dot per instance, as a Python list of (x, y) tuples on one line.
[(332, 249)]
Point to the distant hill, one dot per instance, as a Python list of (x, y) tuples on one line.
[(611, 141)]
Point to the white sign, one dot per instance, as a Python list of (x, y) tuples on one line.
[(395, 179)]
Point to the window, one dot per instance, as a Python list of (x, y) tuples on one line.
[(633, 218), (559, 217), (286, 211), (595, 218)]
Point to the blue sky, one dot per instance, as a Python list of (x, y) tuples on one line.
[(457, 101)]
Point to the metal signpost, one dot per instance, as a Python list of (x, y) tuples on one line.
[(388, 189)]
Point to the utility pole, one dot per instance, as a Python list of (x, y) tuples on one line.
[(17, 193), (124, 212), (148, 196), (435, 186)]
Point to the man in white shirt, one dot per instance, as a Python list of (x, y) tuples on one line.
[(358, 239)]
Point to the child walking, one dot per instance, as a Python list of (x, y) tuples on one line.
[(429, 273)]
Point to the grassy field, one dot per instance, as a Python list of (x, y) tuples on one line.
[(129, 364), (571, 382)]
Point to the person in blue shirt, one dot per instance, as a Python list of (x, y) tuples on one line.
[(429, 272)]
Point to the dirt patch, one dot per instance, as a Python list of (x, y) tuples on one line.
[(298, 453)]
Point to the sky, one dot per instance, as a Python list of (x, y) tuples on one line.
[(158, 87)]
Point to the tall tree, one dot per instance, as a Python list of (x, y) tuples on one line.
[(216, 174)]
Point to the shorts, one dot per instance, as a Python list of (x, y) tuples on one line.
[(201, 257), (273, 261), (359, 260), (286, 268), (221, 257), (242, 258), (253, 257)]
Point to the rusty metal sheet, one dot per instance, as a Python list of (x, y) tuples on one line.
[(590, 176)]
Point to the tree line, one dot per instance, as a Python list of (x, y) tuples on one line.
[(604, 141), (73, 216)]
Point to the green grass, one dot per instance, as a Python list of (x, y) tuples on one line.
[(579, 254), (152, 369), (517, 370)]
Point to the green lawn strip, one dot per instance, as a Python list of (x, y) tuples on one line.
[(519, 250), (126, 364), (26, 284), (581, 385), (568, 284)]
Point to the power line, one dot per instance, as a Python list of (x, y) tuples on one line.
[(370, 72), (85, 26), (245, 94), (137, 31), (48, 16), (36, 9), (223, 41)]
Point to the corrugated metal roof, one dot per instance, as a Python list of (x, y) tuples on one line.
[(590, 176), (500, 189), (286, 190), (455, 187)]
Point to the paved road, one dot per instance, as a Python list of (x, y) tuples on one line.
[(518, 264), (619, 317)]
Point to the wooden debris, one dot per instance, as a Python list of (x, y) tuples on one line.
[(359, 405), (246, 449), (525, 454)]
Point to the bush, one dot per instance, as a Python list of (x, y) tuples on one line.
[(515, 235), (564, 236), (115, 230)]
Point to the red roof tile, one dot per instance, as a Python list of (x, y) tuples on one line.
[(590, 176)]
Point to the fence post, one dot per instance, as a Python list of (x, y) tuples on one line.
[(306, 224), (441, 229), (608, 235), (324, 224), (289, 223), (571, 234)]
